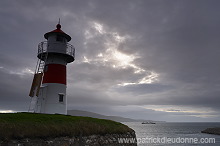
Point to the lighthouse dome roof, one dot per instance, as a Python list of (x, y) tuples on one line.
[(57, 31)]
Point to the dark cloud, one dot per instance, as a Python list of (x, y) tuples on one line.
[(14, 91), (178, 40)]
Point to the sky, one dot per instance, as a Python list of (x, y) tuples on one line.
[(143, 59)]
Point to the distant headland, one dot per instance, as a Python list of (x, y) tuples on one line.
[(215, 131), (113, 118)]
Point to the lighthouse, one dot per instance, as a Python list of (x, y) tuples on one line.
[(48, 90)]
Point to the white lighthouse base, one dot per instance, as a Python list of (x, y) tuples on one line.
[(52, 99)]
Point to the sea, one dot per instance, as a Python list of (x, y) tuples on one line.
[(174, 134)]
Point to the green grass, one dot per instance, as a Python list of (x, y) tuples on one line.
[(32, 125)]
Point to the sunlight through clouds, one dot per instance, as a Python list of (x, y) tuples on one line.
[(119, 59), (194, 112), (114, 58), (151, 78), (98, 27), (85, 59), (7, 111), (21, 72)]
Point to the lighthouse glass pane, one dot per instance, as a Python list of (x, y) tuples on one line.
[(59, 38), (61, 97)]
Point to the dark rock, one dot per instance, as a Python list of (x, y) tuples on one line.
[(93, 140), (215, 131)]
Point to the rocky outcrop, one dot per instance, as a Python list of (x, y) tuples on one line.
[(215, 131), (128, 139)]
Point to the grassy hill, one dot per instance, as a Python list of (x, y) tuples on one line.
[(32, 125)]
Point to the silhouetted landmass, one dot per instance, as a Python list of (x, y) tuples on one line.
[(114, 118), (215, 131)]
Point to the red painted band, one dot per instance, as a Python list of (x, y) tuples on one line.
[(55, 73)]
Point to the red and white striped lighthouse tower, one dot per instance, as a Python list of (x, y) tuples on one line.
[(48, 89)]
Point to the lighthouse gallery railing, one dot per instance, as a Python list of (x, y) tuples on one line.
[(43, 46)]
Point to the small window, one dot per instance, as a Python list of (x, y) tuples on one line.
[(59, 38), (61, 96)]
